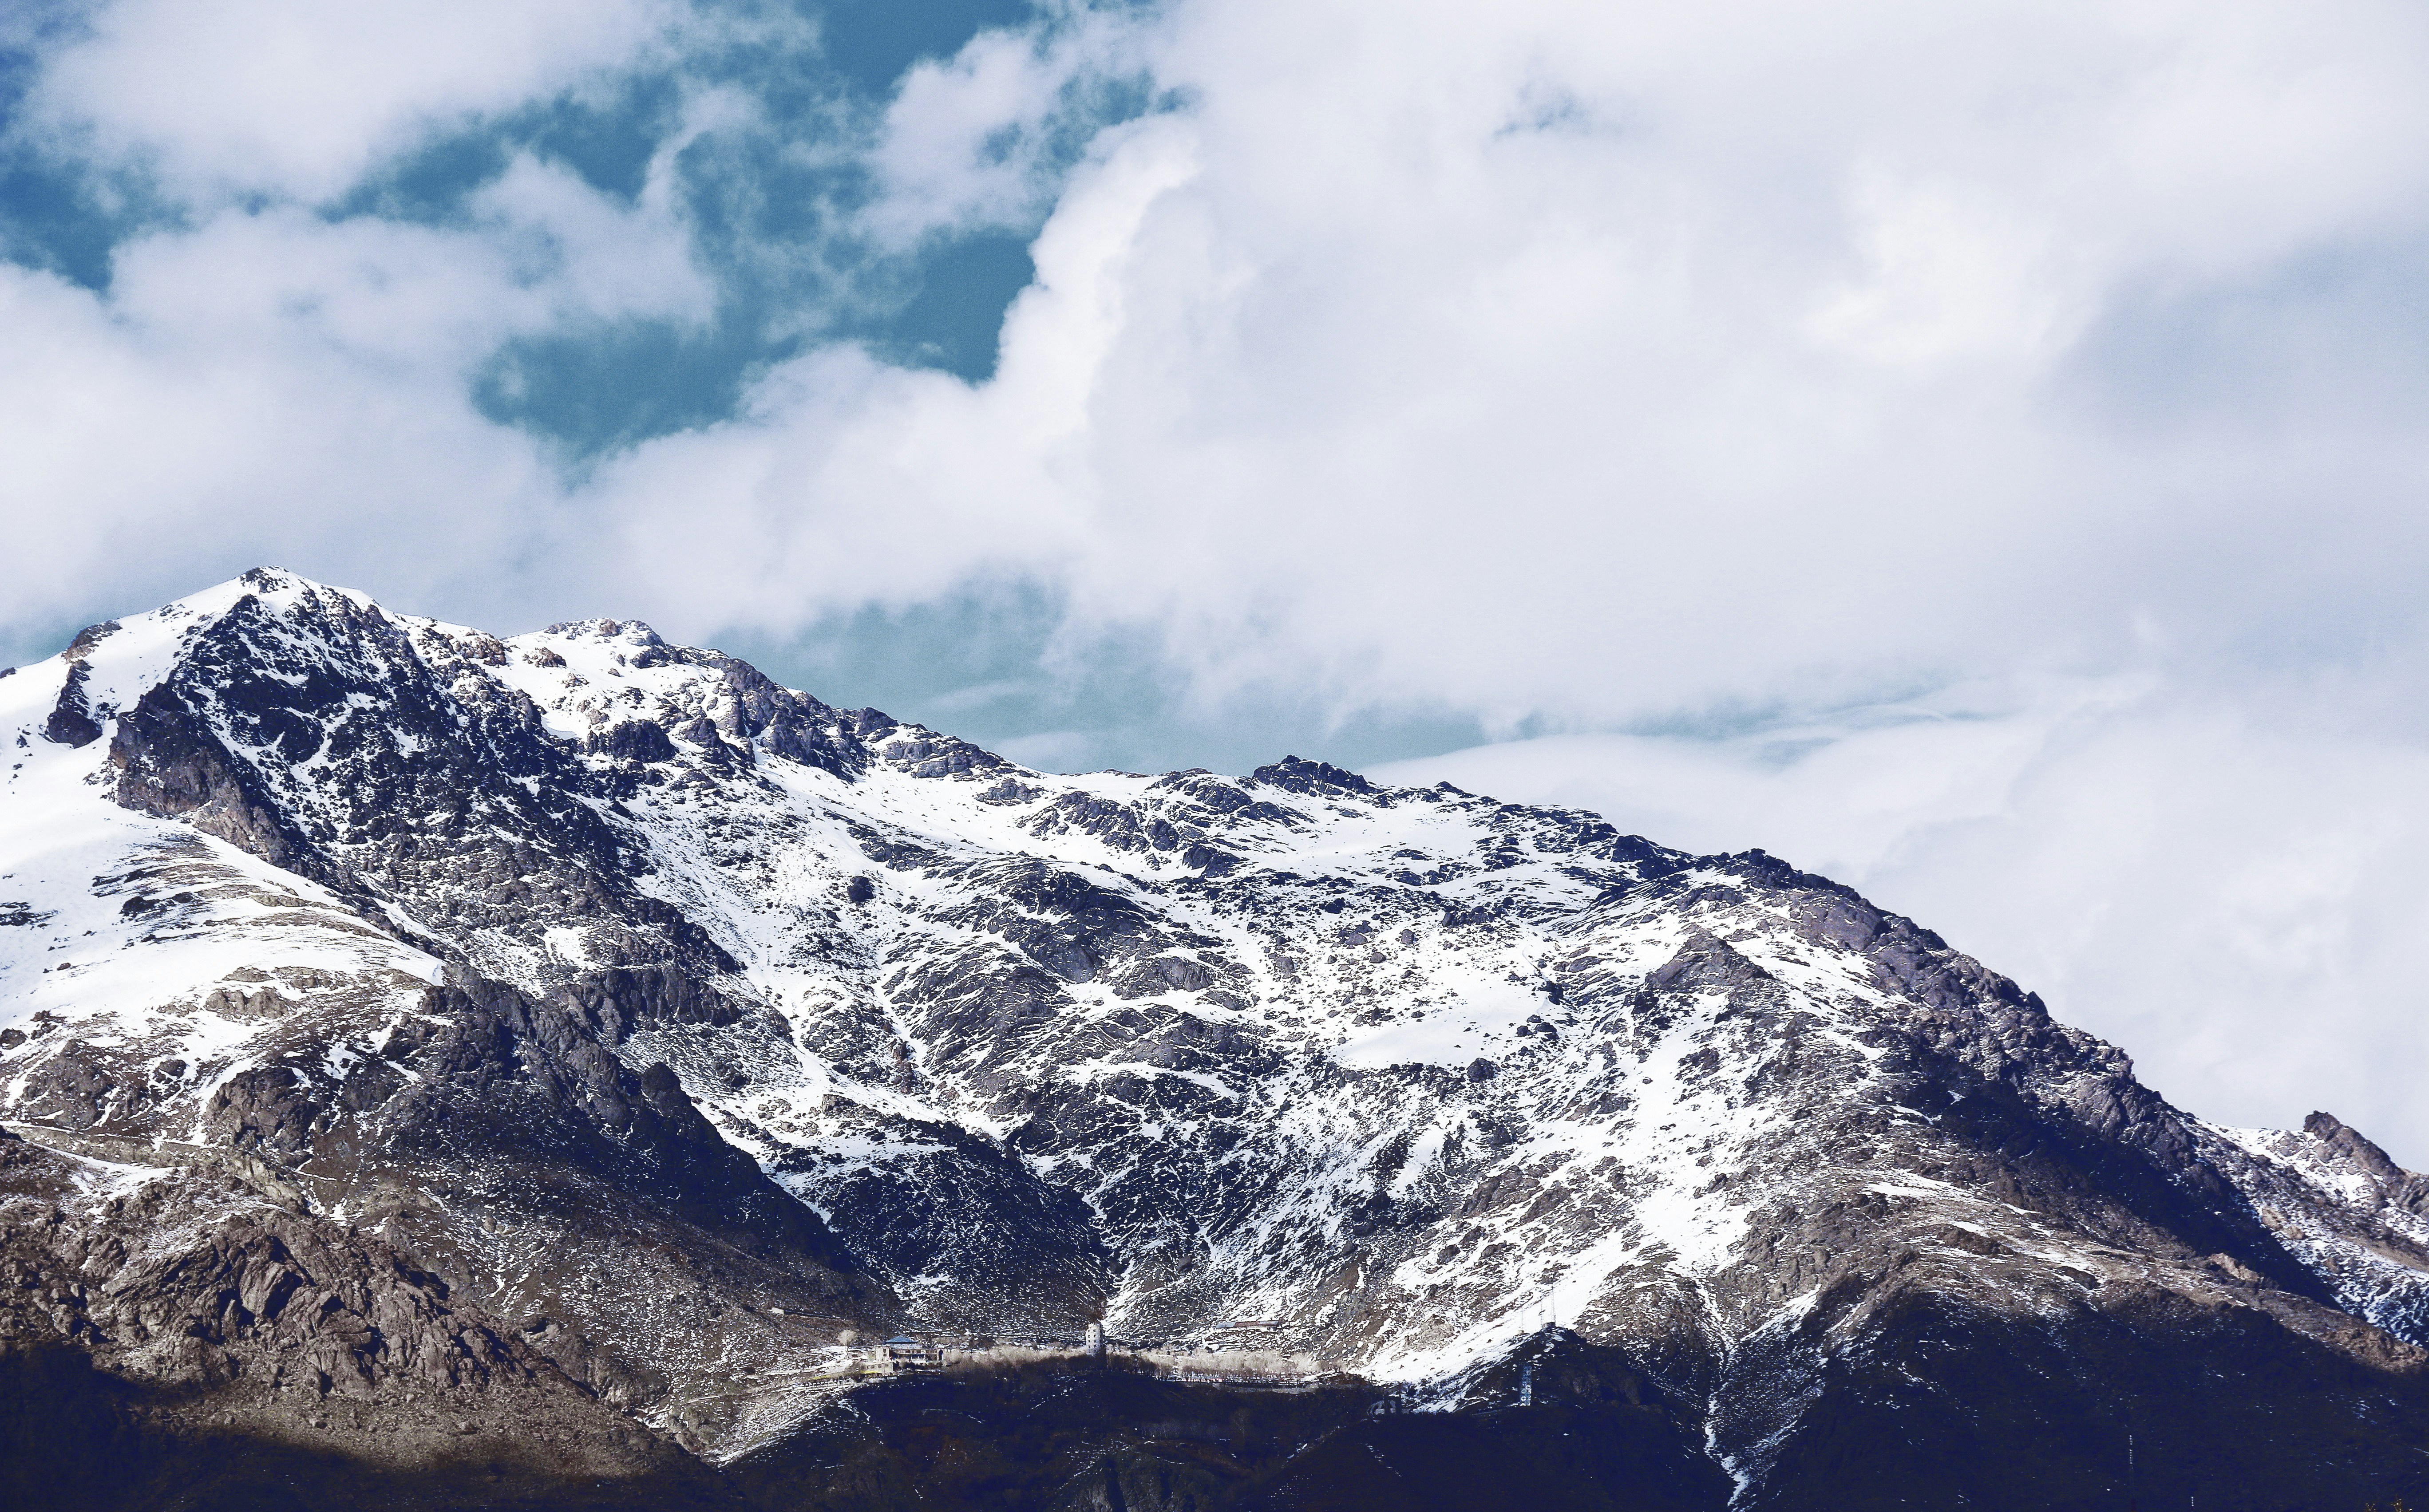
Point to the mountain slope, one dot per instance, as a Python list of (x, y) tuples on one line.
[(679, 1023)]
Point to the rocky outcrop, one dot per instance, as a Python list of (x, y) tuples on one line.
[(2388, 1184), (180, 1331)]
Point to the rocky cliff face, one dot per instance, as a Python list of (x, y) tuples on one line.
[(583, 1032)]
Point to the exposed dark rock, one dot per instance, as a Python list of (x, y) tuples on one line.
[(1315, 779), (71, 722), (634, 740)]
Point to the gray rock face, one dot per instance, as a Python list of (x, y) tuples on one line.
[(609, 995), (282, 1327)]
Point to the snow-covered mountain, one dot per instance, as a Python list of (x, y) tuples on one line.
[(410, 1035)]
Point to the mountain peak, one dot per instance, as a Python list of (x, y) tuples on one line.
[(672, 1026), (1293, 774)]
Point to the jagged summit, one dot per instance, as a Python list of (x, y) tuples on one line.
[(625, 1029)]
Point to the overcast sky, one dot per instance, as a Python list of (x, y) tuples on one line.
[(1978, 451)]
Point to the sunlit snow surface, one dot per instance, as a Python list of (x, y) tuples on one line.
[(1413, 1073), (201, 981)]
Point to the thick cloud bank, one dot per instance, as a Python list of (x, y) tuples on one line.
[(1980, 453)]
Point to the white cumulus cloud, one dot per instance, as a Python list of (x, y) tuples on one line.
[(2046, 379), (297, 99)]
